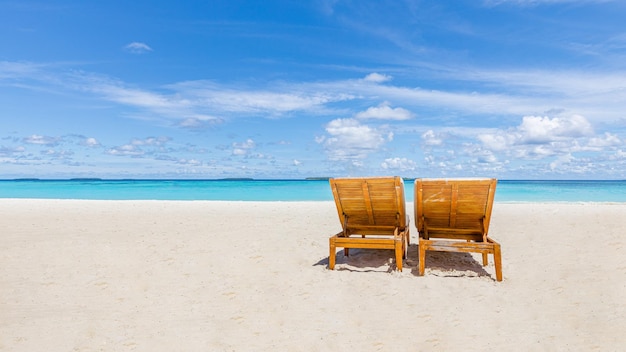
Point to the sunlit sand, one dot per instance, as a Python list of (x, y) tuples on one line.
[(252, 276)]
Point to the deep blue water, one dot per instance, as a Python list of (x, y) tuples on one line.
[(286, 190)]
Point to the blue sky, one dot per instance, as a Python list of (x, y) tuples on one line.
[(514, 89)]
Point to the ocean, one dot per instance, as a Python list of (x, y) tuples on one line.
[(286, 190)]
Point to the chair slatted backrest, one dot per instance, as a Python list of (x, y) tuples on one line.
[(370, 205), (462, 205)]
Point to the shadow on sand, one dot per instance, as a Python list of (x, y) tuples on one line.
[(442, 264)]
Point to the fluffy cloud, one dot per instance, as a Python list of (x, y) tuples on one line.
[(350, 140), (535, 130), (604, 141), (558, 145), (431, 139), (90, 142), (385, 112), (377, 78)]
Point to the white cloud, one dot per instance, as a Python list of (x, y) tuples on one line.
[(10, 69), (348, 139), (5, 151), (152, 141), (196, 104), (618, 155), (126, 150), (138, 48), (385, 112), (243, 148), (496, 142), (41, 140), (430, 138), (57, 154), (115, 91), (402, 164), (377, 78), (561, 160), (565, 141), (142, 147), (91, 142), (598, 96), (189, 162), (607, 140), (265, 101), (281, 98), (555, 121), (200, 122), (536, 129), (485, 156)]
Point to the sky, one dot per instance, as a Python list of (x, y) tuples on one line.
[(289, 89)]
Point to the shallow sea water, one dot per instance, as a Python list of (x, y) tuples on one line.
[(287, 190)]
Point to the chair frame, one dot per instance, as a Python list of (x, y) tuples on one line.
[(393, 235), (456, 237)]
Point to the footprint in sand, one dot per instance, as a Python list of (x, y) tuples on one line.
[(239, 319), (102, 284), (230, 294)]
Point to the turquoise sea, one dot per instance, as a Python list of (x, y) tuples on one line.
[(285, 190)]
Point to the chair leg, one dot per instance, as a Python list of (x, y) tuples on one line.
[(422, 260), (331, 257), (399, 254), (408, 236), (485, 260), (404, 250), (497, 258)]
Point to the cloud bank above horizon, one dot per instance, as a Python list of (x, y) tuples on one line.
[(290, 104)]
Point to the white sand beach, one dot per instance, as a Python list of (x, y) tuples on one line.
[(252, 276)]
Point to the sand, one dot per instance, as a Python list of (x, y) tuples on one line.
[(252, 276)]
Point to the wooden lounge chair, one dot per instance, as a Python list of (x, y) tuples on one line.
[(458, 212), (372, 214)]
